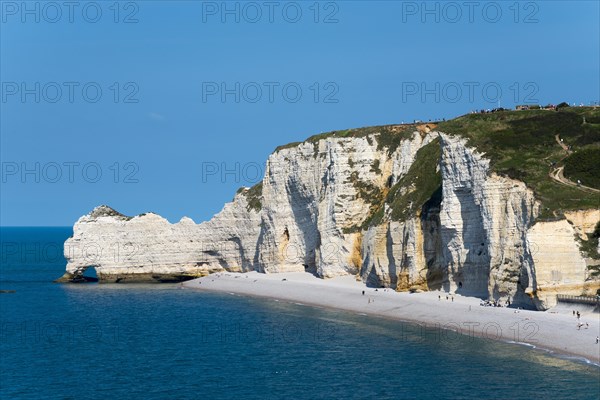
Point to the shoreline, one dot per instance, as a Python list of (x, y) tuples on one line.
[(555, 333)]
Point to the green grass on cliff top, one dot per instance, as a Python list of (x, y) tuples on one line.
[(522, 145), (388, 136), (583, 165)]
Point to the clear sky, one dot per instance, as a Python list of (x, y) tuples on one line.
[(171, 106)]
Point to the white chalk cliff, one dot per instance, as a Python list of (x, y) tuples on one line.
[(352, 205)]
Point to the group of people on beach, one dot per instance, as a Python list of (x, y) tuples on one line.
[(371, 299), (494, 303), (579, 323)]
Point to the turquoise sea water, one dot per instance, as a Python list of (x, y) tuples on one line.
[(99, 341)]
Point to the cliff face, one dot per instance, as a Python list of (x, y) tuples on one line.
[(149, 248), (411, 210), (484, 221), (316, 194)]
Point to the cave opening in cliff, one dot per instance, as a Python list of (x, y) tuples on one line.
[(90, 274)]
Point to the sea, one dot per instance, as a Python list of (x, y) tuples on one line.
[(158, 341)]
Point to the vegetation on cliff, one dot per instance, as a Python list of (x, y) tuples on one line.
[(253, 196), (388, 136), (406, 198), (590, 246), (421, 182), (527, 145), (370, 194), (524, 145), (106, 211), (583, 166)]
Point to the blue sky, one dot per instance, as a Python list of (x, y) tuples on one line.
[(162, 136)]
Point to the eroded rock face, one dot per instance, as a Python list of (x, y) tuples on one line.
[(315, 211), (149, 248), (559, 266), (312, 197), (484, 221)]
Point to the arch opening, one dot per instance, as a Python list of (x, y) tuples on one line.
[(88, 274)]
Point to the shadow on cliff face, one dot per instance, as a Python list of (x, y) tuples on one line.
[(87, 275), (305, 215), (432, 245), (373, 280), (476, 266), (392, 269)]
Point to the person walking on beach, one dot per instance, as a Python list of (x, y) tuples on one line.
[(578, 315), (363, 292), (597, 339), (439, 297), (453, 299)]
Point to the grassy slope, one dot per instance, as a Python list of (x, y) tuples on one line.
[(522, 145), (583, 165), (389, 136)]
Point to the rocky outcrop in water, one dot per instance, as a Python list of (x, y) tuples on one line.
[(411, 209), (149, 248)]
